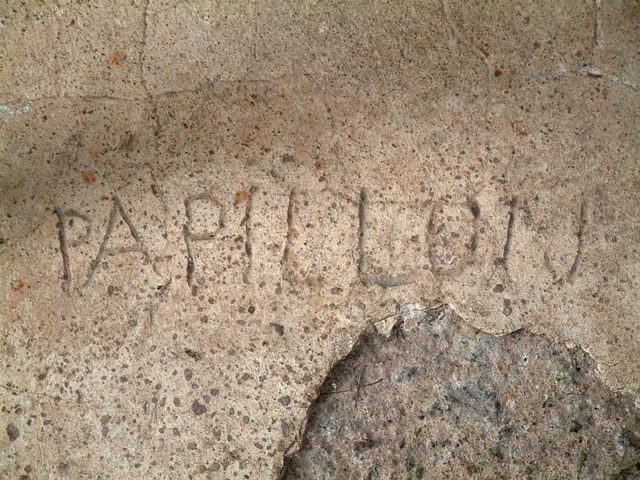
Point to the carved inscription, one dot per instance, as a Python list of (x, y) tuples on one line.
[(248, 234), (369, 279), (320, 228), (65, 216), (291, 233), (190, 236), (441, 236), (510, 225), (453, 235), (117, 210), (572, 272)]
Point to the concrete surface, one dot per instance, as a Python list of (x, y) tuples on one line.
[(205, 204)]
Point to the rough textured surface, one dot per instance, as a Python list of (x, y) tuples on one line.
[(204, 204), (440, 399)]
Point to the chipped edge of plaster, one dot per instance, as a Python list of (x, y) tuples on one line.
[(408, 317)]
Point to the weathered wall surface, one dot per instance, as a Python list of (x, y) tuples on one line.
[(205, 204)]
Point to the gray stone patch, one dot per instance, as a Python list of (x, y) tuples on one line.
[(446, 400)]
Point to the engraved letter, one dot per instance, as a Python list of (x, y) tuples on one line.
[(65, 243), (117, 209), (190, 236), (368, 279)]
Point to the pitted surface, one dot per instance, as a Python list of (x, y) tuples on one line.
[(205, 204)]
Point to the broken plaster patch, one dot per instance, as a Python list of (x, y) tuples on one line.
[(449, 400)]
